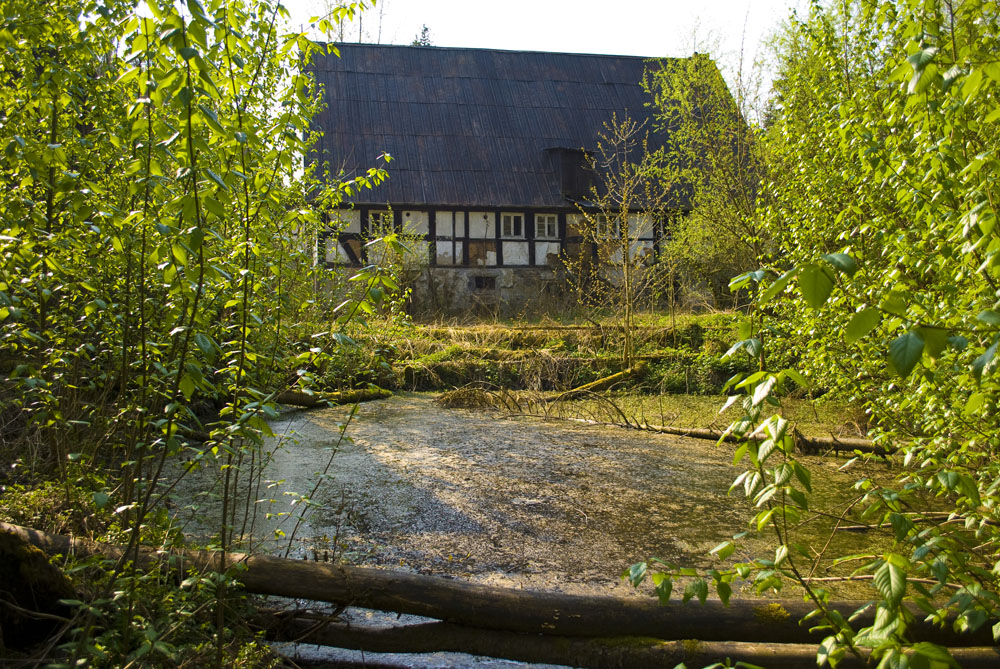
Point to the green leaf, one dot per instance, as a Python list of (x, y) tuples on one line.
[(724, 550), (934, 652), (935, 340), (816, 285), (923, 70), (984, 364), (973, 404), (803, 475), (637, 573), (763, 519), (843, 262), (217, 179), (187, 386), (778, 286), (206, 345), (664, 588), (179, 253), (764, 389), (905, 352), (989, 317), (799, 498), (725, 591), (895, 301), (862, 323), (901, 525), (890, 581), (795, 376), (696, 588), (828, 652)]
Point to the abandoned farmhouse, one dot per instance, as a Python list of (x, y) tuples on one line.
[(489, 172)]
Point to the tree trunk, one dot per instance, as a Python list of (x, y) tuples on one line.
[(512, 610), (635, 652), (602, 384), (300, 399)]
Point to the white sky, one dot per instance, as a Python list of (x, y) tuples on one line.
[(622, 27)]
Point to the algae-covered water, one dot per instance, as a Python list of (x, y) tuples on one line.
[(502, 500)]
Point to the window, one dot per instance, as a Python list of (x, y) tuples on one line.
[(512, 225), (546, 226), (602, 227), (379, 223), (485, 282)]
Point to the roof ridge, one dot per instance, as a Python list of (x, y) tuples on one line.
[(352, 45)]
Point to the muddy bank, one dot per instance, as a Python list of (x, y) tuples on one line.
[(501, 500)]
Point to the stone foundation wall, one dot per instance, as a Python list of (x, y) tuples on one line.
[(488, 291)]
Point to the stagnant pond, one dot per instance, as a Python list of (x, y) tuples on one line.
[(502, 500)]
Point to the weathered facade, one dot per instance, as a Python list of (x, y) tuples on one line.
[(488, 175)]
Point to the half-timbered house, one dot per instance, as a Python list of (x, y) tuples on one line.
[(488, 171)]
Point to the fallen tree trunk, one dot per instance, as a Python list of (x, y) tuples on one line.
[(803, 442), (301, 399), (297, 398), (602, 384), (597, 652), (506, 609)]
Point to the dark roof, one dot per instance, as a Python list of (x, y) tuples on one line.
[(469, 127)]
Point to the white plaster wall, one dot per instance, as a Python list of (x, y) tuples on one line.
[(334, 253), (444, 253), (543, 250), (643, 247), (640, 225), (491, 258), (418, 253), (482, 225), (459, 225), (515, 253), (637, 249), (351, 219), (444, 221), (416, 222)]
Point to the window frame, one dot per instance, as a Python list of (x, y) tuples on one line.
[(602, 227), (381, 222), (549, 219), (516, 225)]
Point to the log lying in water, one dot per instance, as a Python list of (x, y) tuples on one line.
[(298, 398), (512, 610), (803, 442), (301, 399), (597, 652)]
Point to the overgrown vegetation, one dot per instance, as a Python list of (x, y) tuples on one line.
[(685, 358), (881, 278), (156, 280)]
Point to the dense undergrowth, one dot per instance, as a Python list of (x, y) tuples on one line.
[(157, 291), (689, 358)]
